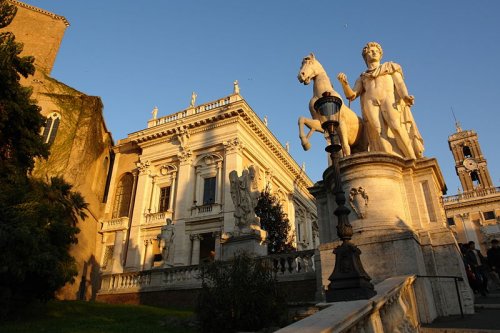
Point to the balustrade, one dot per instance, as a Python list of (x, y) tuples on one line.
[(288, 266), (393, 309), (157, 218), (294, 264), (191, 111), (471, 194), (119, 223), (207, 209)]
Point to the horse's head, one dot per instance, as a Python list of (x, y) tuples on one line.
[(308, 71)]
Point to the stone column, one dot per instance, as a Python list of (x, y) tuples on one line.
[(195, 254), (218, 247), (148, 254), (233, 161), (182, 207), (219, 183), (172, 192), (117, 252), (138, 204), (185, 186), (198, 187)]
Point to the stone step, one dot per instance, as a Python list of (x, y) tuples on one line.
[(299, 311), (456, 330)]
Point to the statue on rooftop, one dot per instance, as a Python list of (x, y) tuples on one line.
[(154, 112), (385, 104), (236, 87), (193, 100)]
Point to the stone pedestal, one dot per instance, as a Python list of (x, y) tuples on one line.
[(251, 243), (399, 225)]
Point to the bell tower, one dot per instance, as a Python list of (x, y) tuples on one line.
[(470, 164)]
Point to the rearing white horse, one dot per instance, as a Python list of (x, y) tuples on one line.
[(350, 128)]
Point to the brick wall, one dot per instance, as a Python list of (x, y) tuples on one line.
[(41, 33)]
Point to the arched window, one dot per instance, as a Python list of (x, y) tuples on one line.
[(51, 126), (475, 178), (123, 195), (467, 152)]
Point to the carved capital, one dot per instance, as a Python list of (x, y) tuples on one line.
[(185, 156), (233, 145), (195, 237), (143, 167)]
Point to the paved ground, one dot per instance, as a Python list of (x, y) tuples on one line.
[(487, 316)]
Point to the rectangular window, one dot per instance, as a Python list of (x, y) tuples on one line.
[(164, 199), (108, 256), (209, 191), (489, 215), (450, 221)]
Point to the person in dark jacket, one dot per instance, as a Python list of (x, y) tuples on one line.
[(493, 255), (477, 262)]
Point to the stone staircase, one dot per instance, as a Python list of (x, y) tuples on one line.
[(485, 320)]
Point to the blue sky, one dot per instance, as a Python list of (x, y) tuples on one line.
[(136, 55)]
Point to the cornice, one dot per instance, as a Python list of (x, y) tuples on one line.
[(266, 137), (462, 135), (238, 111), (39, 10)]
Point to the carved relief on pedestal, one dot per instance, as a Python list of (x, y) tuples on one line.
[(358, 200)]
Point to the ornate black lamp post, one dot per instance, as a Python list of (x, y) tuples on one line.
[(349, 280)]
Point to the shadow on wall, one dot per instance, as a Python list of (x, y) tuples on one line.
[(89, 280)]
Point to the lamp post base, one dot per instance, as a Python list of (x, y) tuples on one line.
[(349, 280)]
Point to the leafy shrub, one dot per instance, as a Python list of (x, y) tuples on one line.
[(241, 294)]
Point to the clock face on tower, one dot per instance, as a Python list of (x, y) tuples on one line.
[(470, 164)]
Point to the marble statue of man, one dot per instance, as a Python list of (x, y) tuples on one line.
[(385, 104), (167, 244)]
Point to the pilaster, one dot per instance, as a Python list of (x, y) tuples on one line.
[(233, 160)]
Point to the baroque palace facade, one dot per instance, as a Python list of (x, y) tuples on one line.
[(474, 213), (171, 199)]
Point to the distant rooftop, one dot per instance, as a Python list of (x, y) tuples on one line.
[(194, 110)]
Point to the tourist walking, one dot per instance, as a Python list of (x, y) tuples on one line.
[(477, 262)]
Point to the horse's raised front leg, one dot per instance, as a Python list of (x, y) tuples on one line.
[(313, 125), (343, 136)]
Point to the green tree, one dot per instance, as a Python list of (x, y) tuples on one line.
[(20, 119), (239, 295), (37, 218), (275, 222)]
